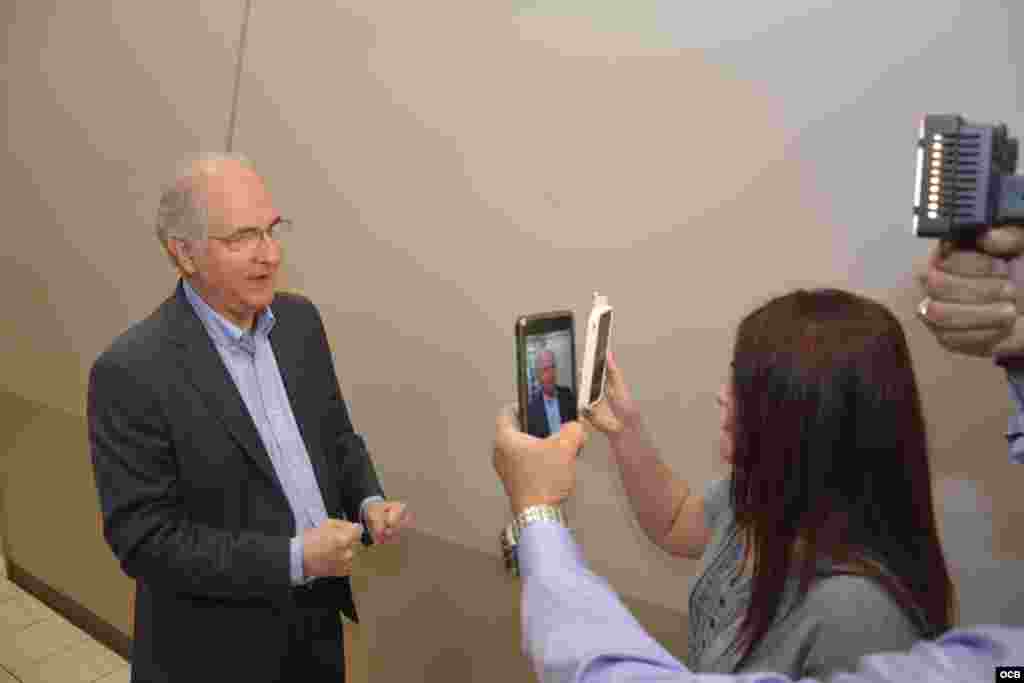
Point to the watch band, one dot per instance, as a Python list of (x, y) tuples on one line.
[(538, 513), (511, 533)]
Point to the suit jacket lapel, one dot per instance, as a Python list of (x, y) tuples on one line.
[(567, 409), (295, 366), (204, 368)]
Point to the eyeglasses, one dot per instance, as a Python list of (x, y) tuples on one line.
[(245, 239)]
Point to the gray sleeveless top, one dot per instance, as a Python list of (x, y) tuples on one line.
[(842, 617)]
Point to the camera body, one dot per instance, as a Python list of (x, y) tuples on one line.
[(965, 179)]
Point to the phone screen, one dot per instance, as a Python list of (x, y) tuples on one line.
[(600, 355), (547, 377)]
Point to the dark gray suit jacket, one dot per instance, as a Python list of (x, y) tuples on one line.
[(537, 416), (191, 503)]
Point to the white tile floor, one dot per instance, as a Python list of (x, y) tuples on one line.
[(37, 645)]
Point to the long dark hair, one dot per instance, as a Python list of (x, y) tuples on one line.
[(831, 456)]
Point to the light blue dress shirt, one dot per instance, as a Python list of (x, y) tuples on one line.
[(250, 360), (554, 414), (576, 630)]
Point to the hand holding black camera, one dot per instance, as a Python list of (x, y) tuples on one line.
[(971, 299), (968, 195)]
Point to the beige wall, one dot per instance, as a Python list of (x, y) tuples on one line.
[(451, 168), (448, 176)]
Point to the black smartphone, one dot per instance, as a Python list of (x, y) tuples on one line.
[(546, 371)]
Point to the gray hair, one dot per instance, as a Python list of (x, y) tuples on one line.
[(182, 213)]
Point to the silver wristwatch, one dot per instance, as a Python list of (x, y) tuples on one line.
[(526, 517)]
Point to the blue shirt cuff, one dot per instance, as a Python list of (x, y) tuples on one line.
[(1017, 450), (1015, 429), (297, 575), (547, 547)]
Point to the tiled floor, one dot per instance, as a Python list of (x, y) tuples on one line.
[(37, 645)]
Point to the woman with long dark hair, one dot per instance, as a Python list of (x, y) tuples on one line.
[(821, 546)]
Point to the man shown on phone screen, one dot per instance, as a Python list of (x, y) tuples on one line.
[(553, 404)]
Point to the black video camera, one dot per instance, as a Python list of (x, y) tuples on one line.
[(966, 178)]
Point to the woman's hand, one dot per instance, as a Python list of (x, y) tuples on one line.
[(617, 409)]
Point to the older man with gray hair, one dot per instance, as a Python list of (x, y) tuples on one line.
[(233, 486)]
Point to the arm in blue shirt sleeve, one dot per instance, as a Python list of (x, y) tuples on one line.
[(1016, 427), (576, 630)]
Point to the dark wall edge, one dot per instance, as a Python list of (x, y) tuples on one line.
[(82, 617)]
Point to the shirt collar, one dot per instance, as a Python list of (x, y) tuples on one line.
[(223, 331)]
